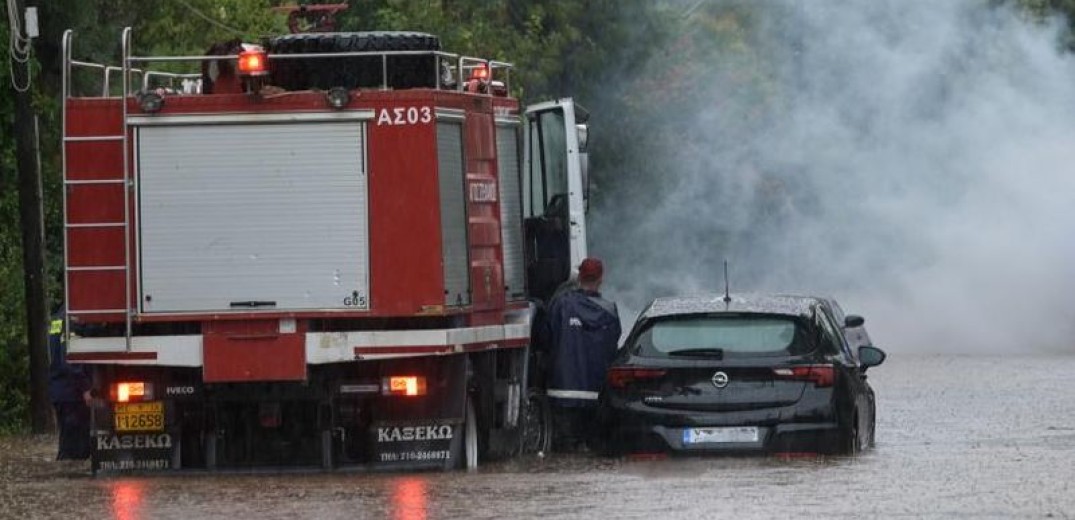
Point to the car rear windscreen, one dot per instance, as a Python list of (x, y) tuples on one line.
[(732, 336)]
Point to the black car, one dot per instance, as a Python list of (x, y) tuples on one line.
[(744, 373)]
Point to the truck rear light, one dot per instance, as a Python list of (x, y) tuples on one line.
[(253, 63), (409, 386), (820, 375), (131, 391), (622, 377)]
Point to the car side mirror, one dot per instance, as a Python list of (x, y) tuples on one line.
[(870, 356), (854, 321)]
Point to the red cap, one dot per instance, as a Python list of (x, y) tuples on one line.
[(590, 270)]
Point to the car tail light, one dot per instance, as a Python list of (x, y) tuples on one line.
[(408, 386), (820, 375), (131, 391), (622, 377), (253, 63)]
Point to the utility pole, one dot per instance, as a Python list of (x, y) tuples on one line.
[(31, 216)]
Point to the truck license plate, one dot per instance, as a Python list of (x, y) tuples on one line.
[(714, 435), (139, 417)]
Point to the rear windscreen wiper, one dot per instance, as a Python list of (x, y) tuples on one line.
[(700, 352)]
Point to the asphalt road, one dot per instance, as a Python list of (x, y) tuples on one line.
[(958, 437)]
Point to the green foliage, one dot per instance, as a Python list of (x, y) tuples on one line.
[(559, 47), (1040, 10), (13, 357)]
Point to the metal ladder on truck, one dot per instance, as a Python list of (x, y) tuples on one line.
[(101, 179)]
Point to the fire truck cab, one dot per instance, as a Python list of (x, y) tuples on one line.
[(327, 250)]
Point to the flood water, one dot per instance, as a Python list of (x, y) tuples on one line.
[(975, 437)]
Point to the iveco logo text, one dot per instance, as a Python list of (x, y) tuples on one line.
[(414, 433), (720, 380), (179, 390)]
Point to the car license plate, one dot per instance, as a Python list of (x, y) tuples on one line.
[(139, 417), (717, 435)]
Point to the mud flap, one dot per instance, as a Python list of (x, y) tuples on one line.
[(425, 431), (431, 443), (133, 451)]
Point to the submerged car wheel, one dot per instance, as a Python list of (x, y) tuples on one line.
[(852, 439)]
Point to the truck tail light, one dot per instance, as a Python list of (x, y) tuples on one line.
[(253, 63), (131, 391), (622, 377), (820, 375), (408, 386)]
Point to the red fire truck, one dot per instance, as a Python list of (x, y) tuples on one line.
[(326, 250)]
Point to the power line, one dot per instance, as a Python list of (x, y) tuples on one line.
[(209, 19), (19, 48)]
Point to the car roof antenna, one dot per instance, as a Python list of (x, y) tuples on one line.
[(727, 295)]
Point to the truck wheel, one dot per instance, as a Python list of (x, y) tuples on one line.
[(350, 72), (470, 438), (536, 423)]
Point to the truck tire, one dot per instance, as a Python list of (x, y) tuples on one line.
[(470, 438), (536, 437), (418, 71)]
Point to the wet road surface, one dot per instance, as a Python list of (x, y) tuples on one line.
[(972, 437)]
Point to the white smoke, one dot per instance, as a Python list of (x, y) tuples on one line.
[(913, 158)]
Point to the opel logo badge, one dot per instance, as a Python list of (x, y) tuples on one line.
[(720, 380)]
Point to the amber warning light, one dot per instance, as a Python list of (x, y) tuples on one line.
[(131, 391), (253, 63), (481, 72), (404, 385)]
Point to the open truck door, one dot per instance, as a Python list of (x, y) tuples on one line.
[(554, 190)]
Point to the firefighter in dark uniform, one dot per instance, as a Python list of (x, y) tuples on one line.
[(69, 391), (584, 329)]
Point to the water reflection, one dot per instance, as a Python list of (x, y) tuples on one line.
[(409, 499), (127, 498)]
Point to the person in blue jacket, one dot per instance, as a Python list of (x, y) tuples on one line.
[(584, 329), (69, 391)]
